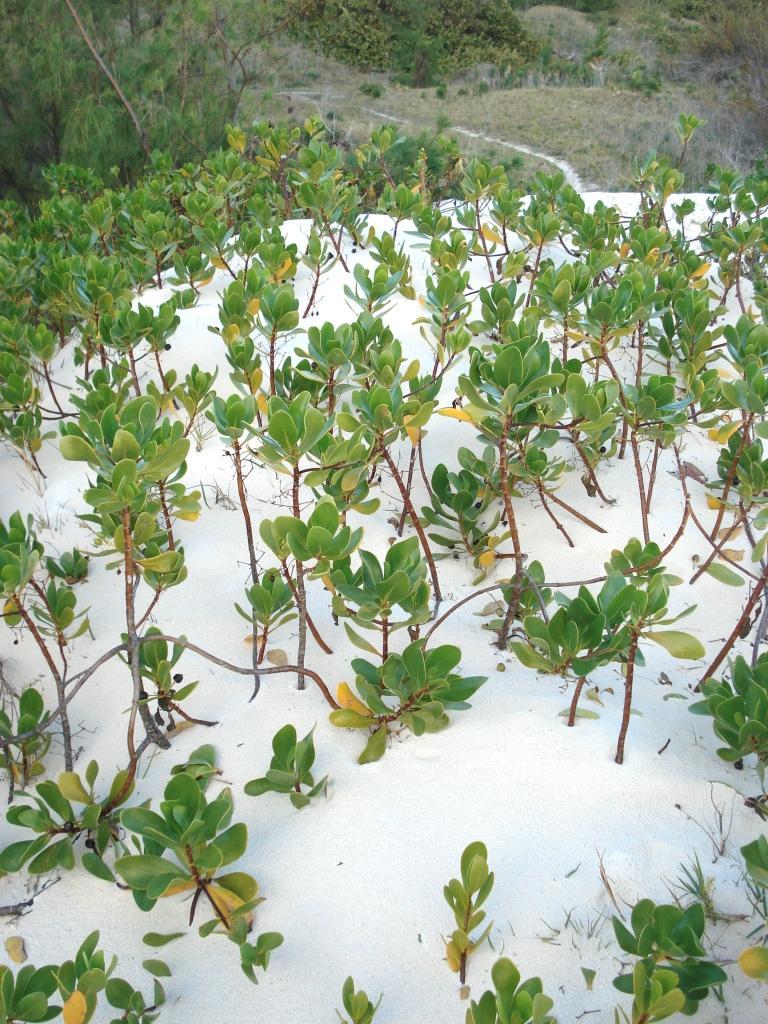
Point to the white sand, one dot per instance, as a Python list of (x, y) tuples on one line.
[(354, 882)]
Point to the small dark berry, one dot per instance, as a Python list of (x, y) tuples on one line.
[(168, 347), (90, 844), (143, 694), (177, 678)]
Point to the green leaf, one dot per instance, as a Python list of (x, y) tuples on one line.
[(678, 644), (158, 968), (725, 575), (375, 747), (92, 862), (157, 939), (76, 449)]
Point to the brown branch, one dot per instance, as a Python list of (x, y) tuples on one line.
[(142, 135)]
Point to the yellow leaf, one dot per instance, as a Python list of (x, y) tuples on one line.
[(327, 581), (713, 503), (754, 962), (491, 236), (182, 886), (75, 1010), (414, 433), (253, 306), (456, 414), (625, 250), (14, 944), (218, 262), (347, 699), (701, 271), (261, 401), (230, 333), (277, 657), (283, 269), (721, 434), (487, 559), (227, 901)]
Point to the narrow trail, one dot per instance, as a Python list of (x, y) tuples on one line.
[(571, 175)]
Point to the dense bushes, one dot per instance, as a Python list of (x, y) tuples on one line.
[(418, 41)]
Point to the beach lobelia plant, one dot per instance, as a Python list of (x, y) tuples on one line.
[(79, 984), (415, 689), (321, 540), (671, 936), (357, 1004), (23, 758), (592, 630), (738, 707), (63, 813), (370, 596), (290, 769), (184, 849), (48, 612), (135, 458), (511, 1001), (465, 896)]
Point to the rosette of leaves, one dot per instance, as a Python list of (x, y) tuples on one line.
[(344, 471), (370, 595), (156, 664), (669, 935), (290, 769), (656, 995), (448, 309), (23, 758), (60, 814), (183, 849), (72, 566), (743, 467), (557, 294), (292, 431), (132, 456), (20, 416), (459, 513), (585, 632), (511, 1001), (415, 689), (191, 267), (738, 707), (653, 410), (357, 1004), (499, 305), (194, 394), (326, 363), (270, 606), (278, 315), (48, 612), (78, 983), (239, 306), (465, 896), (384, 249), (56, 612), (155, 237), (321, 540), (266, 248), (373, 294)]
